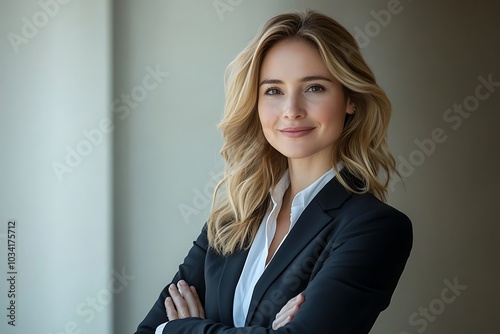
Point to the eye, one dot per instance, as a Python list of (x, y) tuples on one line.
[(316, 88), (272, 91)]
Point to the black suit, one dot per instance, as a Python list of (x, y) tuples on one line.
[(345, 254)]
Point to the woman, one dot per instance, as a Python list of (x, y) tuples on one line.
[(298, 239)]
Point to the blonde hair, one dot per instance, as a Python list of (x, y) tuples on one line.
[(253, 167)]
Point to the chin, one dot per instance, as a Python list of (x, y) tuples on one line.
[(318, 153), (295, 154)]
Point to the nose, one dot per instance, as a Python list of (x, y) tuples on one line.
[(293, 108)]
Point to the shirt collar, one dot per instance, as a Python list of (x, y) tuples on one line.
[(304, 197)]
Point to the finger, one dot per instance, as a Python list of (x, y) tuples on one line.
[(286, 317), (288, 312), (201, 310), (297, 300), (179, 302), (191, 302), (278, 324), (300, 299), (171, 311)]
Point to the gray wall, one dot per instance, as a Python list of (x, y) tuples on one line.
[(54, 181), (430, 57)]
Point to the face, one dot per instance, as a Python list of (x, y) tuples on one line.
[(301, 106)]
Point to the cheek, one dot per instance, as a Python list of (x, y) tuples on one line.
[(332, 114), (336, 119), (266, 123), (266, 115)]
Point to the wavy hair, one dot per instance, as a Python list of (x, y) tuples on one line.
[(253, 166)]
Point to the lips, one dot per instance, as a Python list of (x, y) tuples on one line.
[(298, 131)]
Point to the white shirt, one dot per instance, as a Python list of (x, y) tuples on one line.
[(255, 263)]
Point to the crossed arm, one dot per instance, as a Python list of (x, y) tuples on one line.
[(352, 286), (184, 302)]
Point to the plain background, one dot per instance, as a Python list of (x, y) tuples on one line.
[(97, 244)]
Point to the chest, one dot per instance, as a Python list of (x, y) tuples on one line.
[(282, 228)]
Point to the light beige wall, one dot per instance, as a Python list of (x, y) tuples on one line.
[(55, 91)]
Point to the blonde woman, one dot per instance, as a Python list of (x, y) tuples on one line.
[(299, 239)]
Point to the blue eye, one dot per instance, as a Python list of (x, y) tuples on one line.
[(316, 88), (272, 91)]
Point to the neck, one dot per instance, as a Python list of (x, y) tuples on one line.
[(304, 172)]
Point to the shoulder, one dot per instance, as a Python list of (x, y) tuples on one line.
[(364, 214), (373, 225), (366, 209), (338, 202)]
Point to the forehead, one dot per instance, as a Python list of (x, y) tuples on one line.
[(292, 59)]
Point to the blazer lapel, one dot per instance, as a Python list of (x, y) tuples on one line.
[(310, 223)]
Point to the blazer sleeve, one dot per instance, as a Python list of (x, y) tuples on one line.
[(192, 271), (354, 284)]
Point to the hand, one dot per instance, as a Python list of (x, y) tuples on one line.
[(286, 314), (183, 302)]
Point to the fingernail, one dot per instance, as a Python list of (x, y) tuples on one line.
[(172, 286), (180, 285), (182, 282)]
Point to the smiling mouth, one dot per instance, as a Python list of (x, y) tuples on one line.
[(296, 132)]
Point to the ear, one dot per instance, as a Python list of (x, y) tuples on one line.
[(350, 107)]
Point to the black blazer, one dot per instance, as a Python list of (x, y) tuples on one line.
[(345, 254)]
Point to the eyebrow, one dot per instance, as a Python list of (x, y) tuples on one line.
[(304, 79)]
